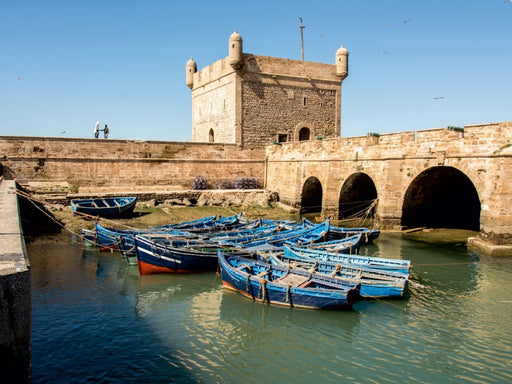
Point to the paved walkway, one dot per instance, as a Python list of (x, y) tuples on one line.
[(15, 303), (12, 256)]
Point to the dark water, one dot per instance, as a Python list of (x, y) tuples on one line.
[(94, 320)]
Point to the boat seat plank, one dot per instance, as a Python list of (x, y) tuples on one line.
[(292, 280)]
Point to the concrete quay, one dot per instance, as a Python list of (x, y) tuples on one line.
[(15, 302)]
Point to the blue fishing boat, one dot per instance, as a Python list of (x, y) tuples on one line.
[(380, 263), (374, 283), (105, 207), (264, 282), (159, 256), (350, 245), (307, 235), (368, 235)]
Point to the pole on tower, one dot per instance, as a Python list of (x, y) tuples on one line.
[(302, 38)]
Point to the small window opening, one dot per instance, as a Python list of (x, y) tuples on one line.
[(304, 134), (211, 136)]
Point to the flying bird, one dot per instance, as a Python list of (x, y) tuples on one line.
[(387, 24), (438, 97), (407, 20), (63, 132), (19, 77), (382, 51), (322, 34)]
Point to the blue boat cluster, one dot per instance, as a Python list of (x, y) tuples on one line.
[(297, 264)]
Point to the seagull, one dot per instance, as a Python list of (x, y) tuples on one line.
[(438, 97), (63, 132), (382, 51), (19, 77), (407, 20), (389, 24), (323, 33)]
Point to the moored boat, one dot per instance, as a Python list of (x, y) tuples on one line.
[(105, 207), (380, 263), (374, 283), (368, 235), (160, 256), (350, 245), (264, 282)]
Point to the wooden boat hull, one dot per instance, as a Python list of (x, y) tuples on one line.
[(374, 284), (155, 257), (105, 207), (349, 245), (379, 263), (368, 235), (307, 290)]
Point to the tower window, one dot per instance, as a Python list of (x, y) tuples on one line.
[(282, 138), (211, 137), (304, 100)]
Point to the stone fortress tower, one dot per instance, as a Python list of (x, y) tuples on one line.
[(254, 101)]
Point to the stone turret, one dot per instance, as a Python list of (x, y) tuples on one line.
[(235, 50), (191, 69), (342, 62)]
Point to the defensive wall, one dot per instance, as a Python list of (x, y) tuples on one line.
[(483, 153), (125, 164)]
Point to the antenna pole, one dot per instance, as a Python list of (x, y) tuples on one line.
[(302, 38)]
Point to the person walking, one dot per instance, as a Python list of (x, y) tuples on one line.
[(106, 131), (97, 130)]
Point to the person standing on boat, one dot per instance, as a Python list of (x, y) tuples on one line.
[(97, 130), (105, 131)]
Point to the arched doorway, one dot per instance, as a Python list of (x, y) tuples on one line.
[(357, 197), (304, 134), (211, 136), (311, 198), (441, 197)]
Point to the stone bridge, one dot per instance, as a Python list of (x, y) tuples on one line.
[(441, 178)]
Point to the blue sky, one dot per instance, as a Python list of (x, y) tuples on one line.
[(413, 64)]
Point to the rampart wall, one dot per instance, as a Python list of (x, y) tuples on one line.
[(125, 163)]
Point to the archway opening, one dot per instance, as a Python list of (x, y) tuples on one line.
[(311, 199), (357, 197), (211, 136), (441, 197), (304, 134)]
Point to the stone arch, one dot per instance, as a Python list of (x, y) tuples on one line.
[(312, 195), (211, 136), (303, 132), (441, 197), (357, 197)]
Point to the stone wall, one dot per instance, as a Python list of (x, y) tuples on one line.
[(90, 163), (482, 152)]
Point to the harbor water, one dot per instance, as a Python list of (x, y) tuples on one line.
[(95, 320)]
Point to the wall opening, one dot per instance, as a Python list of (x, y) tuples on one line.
[(211, 136), (311, 199), (441, 197), (357, 197), (304, 134), (282, 138)]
